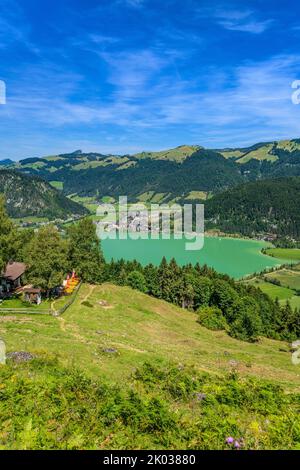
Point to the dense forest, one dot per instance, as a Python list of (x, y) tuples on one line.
[(267, 206)]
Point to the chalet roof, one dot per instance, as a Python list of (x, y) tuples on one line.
[(13, 271), (31, 290)]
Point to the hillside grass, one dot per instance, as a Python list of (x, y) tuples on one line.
[(178, 154), (197, 195), (57, 185), (292, 254), (294, 301), (286, 277), (232, 153), (273, 291), (19, 303), (262, 153), (46, 406), (109, 331)]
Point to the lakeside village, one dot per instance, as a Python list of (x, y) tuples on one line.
[(12, 285), (141, 223)]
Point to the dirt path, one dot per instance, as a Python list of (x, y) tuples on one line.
[(62, 323), (69, 326), (88, 294)]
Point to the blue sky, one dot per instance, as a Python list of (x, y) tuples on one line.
[(120, 76)]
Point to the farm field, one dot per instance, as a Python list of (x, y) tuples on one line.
[(287, 278), (57, 185), (279, 292), (294, 301), (292, 254)]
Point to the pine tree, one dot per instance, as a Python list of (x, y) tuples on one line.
[(152, 280), (165, 278)]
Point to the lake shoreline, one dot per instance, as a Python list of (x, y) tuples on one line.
[(236, 257)]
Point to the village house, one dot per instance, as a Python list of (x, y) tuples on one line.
[(10, 278)]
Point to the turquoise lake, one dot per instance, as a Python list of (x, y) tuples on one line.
[(233, 256)]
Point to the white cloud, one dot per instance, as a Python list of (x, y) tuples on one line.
[(14, 28), (243, 20), (255, 27), (135, 3), (250, 103)]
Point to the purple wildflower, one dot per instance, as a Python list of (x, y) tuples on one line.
[(229, 440)]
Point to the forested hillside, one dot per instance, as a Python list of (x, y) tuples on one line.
[(31, 196), (256, 207)]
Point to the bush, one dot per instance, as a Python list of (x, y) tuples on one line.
[(212, 318), (136, 280)]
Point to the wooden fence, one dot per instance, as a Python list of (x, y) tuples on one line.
[(72, 299), (26, 310)]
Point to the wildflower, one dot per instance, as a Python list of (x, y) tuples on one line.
[(229, 440)]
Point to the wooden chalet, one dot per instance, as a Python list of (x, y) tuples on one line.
[(11, 277)]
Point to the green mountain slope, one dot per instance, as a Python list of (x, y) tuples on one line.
[(30, 196), (260, 206), (167, 175), (140, 328), (171, 177), (179, 154), (267, 151), (6, 162)]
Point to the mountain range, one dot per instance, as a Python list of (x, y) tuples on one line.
[(183, 174), (186, 172)]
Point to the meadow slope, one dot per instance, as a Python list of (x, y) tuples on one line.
[(109, 331)]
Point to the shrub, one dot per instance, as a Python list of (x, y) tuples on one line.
[(212, 318), (46, 406)]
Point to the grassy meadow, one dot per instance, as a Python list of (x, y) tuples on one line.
[(292, 254), (138, 329), (273, 291)]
